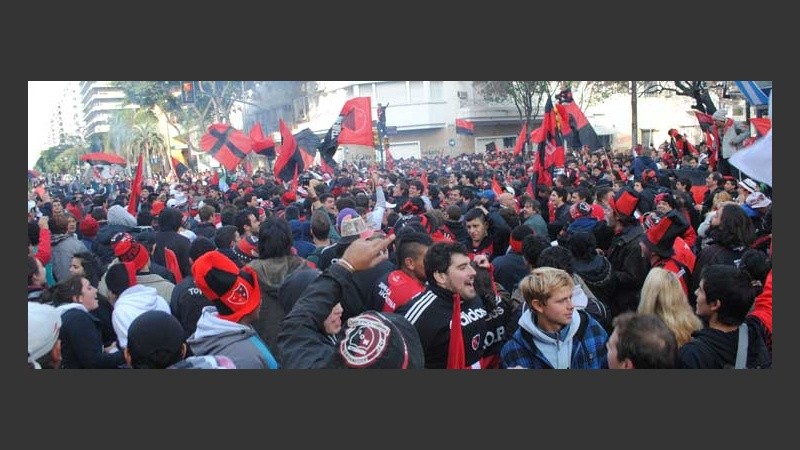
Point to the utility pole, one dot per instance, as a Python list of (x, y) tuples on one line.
[(634, 124)]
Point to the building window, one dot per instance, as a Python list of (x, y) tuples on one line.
[(509, 142), (392, 92), (648, 137), (365, 90), (437, 91), (416, 94)]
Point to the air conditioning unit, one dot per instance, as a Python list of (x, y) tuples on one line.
[(462, 95)]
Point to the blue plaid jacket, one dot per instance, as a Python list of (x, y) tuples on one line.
[(588, 348)]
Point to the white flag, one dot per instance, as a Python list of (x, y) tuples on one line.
[(756, 159)]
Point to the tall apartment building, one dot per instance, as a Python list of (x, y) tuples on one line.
[(99, 99), (67, 118)]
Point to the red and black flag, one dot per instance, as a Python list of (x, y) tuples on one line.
[(550, 148), (264, 146), (465, 127), (575, 128), (308, 142), (706, 121), (226, 144), (521, 139), (290, 160), (352, 126), (179, 163)]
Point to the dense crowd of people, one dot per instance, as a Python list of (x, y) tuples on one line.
[(647, 259)]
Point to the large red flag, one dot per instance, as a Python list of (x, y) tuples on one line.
[(264, 146), (226, 144), (352, 126), (136, 186), (523, 134)]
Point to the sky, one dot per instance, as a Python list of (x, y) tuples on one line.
[(42, 100)]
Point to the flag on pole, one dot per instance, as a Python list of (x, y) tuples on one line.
[(550, 151), (226, 144), (575, 128), (352, 126), (136, 186)]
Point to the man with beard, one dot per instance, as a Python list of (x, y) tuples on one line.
[(450, 299)]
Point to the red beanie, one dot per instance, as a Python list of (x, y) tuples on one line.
[(89, 227), (128, 250)]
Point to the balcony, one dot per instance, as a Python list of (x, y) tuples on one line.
[(484, 112)]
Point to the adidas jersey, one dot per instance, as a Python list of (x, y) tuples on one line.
[(431, 313)]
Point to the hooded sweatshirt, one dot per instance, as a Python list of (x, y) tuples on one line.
[(556, 347), (271, 273), (714, 349), (131, 303), (240, 343)]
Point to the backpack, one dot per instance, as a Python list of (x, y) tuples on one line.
[(595, 307)]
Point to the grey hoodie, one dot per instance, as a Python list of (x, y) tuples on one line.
[(240, 343), (557, 351)]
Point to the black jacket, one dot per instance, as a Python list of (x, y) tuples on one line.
[(177, 243), (630, 269), (598, 275), (431, 311), (302, 342), (458, 230), (187, 304), (715, 349), (206, 229), (101, 246), (509, 269), (82, 343)]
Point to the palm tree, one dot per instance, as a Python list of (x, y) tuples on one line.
[(147, 139)]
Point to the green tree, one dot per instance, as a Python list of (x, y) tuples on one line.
[(148, 141), (61, 158), (527, 96)]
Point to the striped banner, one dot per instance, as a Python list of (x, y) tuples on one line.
[(752, 92)]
